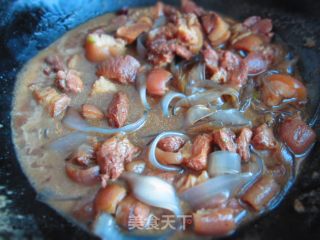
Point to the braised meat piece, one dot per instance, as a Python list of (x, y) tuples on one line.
[(188, 6), (189, 33), (297, 135), (263, 138), (112, 156), (83, 155), (132, 31), (131, 208), (55, 64), (216, 28), (261, 193), (108, 198), (278, 87), (217, 222), (159, 51), (226, 67), (100, 46), (200, 149), (260, 26), (118, 110), (157, 81), (54, 102), (211, 58), (236, 68), (91, 112), (224, 138), (243, 143), (120, 68), (69, 81), (182, 36), (171, 144)]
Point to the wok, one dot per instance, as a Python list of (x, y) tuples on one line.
[(26, 27)]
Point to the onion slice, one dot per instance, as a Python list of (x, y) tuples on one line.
[(164, 157), (153, 191), (142, 89), (212, 97), (167, 99), (159, 22), (229, 185), (73, 120), (224, 162), (257, 173), (231, 118), (152, 156), (141, 49), (105, 227), (196, 75), (199, 195), (195, 114), (246, 95), (68, 143)]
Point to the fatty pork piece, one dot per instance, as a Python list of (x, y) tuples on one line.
[(263, 138), (199, 153), (243, 143), (100, 46), (118, 110), (224, 138), (69, 81), (130, 32), (81, 166), (54, 102), (225, 67), (182, 37), (84, 155), (112, 156), (171, 144), (120, 68)]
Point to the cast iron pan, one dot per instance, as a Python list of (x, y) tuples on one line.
[(26, 27)]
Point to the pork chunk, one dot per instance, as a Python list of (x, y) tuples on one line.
[(263, 138), (224, 138), (159, 51), (113, 154), (132, 31), (55, 63), (130, 208), (83, 155), (189, 6), (200, 149), (261, 193), (69, 81), (120, 68), (243, 142), (211, 58), (171, 144), (236, 68), (118, 110), (54, 102), (260, 26)]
